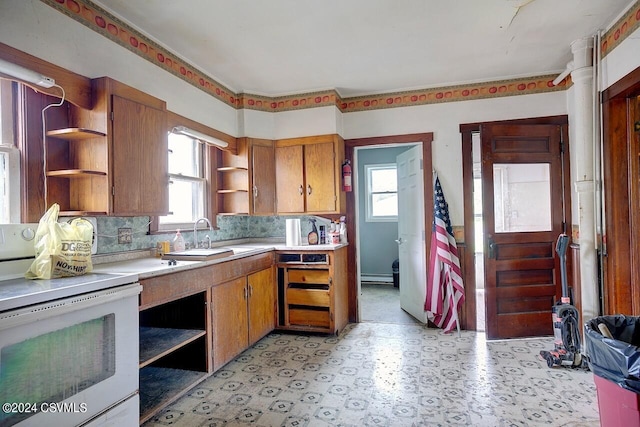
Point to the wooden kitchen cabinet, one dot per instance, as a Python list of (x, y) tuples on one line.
[(243, 311), (308, 175), (112, 159), (312, 290), (246, 179)]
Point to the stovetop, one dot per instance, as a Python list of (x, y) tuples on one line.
[(16, 255)]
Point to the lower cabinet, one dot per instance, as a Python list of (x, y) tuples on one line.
[(312, 291), (243, 310)]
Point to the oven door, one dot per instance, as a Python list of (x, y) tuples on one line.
[(68, 361)]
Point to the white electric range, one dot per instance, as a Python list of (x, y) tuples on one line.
[(68, 347)]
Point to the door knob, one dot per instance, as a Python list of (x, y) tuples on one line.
[(491, 246), (399, 241)]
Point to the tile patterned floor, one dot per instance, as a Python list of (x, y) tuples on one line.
[(382, 374)]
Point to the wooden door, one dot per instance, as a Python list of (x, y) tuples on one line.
[(140, 168), (229, 318), (320, 176), (289, 179), (263, 179), (411, 233), (262, 304), (522, 187)]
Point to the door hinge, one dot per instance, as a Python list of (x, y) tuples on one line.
[(421, 164), (113, 190), (561, 141), (112, 115)]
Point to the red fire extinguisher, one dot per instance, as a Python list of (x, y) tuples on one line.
[(346, 176)]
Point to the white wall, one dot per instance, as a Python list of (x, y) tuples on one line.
[(40, 30), (622, 60), (444, 121)]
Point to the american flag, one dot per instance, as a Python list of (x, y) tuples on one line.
[(445, 290)]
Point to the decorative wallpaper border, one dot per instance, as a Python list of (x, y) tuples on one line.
[(104, 23), (626, 25)]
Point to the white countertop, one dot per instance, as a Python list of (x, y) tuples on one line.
[(19, 292), (150, 266)]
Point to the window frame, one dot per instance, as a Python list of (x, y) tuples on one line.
[(9, 148), (208, 162), (369, 217)]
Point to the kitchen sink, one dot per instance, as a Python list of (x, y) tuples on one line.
[(199, 254)]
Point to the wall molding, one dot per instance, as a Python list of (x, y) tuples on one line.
[(99, 20)]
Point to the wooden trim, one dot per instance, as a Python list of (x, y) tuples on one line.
[(627, 86), (350, 144), (77, 88), (547, 120), (619, 251), (468, 319)]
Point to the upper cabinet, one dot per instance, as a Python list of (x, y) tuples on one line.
[(112, 159), (308, 175), (246, 179)]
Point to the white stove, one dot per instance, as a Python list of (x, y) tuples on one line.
[(68, 347)]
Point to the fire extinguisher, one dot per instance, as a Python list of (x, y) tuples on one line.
[(346, 176)]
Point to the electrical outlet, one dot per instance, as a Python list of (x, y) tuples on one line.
[(124, 235)]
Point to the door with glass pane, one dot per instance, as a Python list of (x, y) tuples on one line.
[(524, 212)]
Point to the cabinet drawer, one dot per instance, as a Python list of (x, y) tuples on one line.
[(308, 276), (313, 297), (302, 317)]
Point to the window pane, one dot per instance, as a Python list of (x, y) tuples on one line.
[(184, 155), (384, 204), (185, 201), (384, 180), (522, 197)]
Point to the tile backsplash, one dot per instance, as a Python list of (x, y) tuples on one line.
[(230, 227)]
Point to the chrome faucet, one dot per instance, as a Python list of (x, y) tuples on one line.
[(195, 231)]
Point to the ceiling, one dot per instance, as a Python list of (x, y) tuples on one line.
[(362, 47)]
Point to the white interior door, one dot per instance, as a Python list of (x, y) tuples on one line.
[(411, 233)]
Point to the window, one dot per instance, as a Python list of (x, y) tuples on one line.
[(382, 192), (187, 182), (9, 157)]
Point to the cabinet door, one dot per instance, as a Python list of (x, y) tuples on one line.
[(229, 318), (263, 176), (139, 159), (289, 179), (319, 170), (262, 304)]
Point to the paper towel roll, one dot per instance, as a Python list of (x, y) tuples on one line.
[(293, 235)]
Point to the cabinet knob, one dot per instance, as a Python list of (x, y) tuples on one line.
[(301, 190), (308, 189)]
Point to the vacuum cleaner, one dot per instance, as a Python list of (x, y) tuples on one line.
[(566, 326)]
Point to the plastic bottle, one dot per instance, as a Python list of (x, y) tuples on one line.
[(343, 229), (178, 242)]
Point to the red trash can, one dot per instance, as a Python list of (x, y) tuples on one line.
[(614, 360), (618, 407)]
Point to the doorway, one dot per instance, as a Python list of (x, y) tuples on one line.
[(354, 249), (376, 187)]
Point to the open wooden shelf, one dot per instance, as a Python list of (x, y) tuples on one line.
[(158, 342), (74, 134), (75, 173), (160, 386)]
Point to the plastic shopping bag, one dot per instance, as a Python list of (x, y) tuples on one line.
[(62, 249)]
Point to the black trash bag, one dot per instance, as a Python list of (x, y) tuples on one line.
[(617, 359)]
